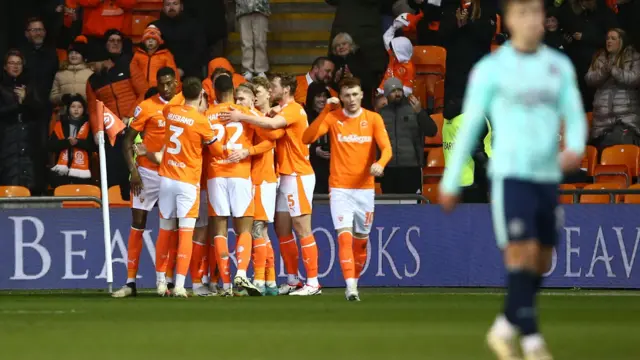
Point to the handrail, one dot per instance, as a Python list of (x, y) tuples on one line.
[(382, 197), (48, 199), (611, 192)]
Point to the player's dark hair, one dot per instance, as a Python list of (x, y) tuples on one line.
[(223, 84), (261, 81), (319, 62), (287, 80), (165, 71), (153, 91), (349, 83), (191, 88), (220, 70)]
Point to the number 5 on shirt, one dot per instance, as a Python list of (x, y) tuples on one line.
[(176, 131)]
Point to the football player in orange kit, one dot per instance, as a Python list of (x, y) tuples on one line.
[(354, 133), (297, 181), (265, 183), (231, 190), (188, 131), (149, 121)]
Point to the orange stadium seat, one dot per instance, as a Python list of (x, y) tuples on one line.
[(438, 96), (566, 199), (612, 174), (140, 22), (430, 191), (436, 140), (429, 60), (78, 190), (632, 198), (432, 172), (600, 199), (590, 159), (14, 191), (628, 155), (115, 199)]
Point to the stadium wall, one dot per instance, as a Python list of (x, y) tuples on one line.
[(411, 245)]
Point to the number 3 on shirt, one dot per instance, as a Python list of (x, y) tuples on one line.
[(220, 131), (176, 131)]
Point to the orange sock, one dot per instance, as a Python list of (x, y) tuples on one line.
[(197, 256), (134, 248), (270, 265), (289, 252), (360, 254), (310, 259), (222, 250), (204, 264), (162, 250), (259, 258), (243, 251), (214, 275), (345, 254), (185, 248), (173, 252)]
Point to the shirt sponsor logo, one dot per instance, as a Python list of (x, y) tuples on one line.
[(353, 138), (177, 164)]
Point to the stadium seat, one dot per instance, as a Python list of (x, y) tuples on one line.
[(78, 190), (14, 191), (115, 199), (566, 199), (438, 96), (140, 22), (432, 172), (420, 91), (429, 60), (600, 199), (628, 155), (612, 174), (632, 198), (148, 5), (436, 140), (589, 121), (430, 191), (590, 159)]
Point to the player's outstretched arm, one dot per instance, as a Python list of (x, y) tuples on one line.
[(476, 101), (276, 122), (320, 125), (262, 147)]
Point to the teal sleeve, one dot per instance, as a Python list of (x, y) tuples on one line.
[(476, 102), (572, 112)]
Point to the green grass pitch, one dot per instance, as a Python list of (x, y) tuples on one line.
[(439, 324)]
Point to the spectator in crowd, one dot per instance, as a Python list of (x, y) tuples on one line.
[(407, 124), (317, 96), (253, 19), (41, 58), (121, 90), (379, 102), (321, 72), (14, 13), (183, 36), (361, 22), (586, 22), (71, 24), (466, 34), (72, 144), (553, 35), (429, 16), (72, 77), (116, 48), (615, 73), (151, 56), (211, 13), (22, 158), (98, 16), (400, 52), (217, 67), (352, 61), (208, 87)]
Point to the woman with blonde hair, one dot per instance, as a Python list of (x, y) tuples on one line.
[(615, 73)]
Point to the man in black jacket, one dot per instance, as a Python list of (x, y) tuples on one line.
[(407, 124), (40, 57), (183, 36)]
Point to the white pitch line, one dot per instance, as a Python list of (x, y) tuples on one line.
[(39, 312), (544, 293)]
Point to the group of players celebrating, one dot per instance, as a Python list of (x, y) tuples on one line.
[(245, 155)]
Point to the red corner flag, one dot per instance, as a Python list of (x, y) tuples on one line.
[(107, 121)]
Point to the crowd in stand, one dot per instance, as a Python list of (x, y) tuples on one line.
[(60, 56)]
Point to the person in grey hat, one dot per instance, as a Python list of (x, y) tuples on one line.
[(407, 124)]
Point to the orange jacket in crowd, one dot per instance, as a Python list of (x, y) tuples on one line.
[(303, 87), (220, 62), (149, 64), (102, 15), (119, 88)]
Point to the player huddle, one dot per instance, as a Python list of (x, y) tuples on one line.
[(245, 156)]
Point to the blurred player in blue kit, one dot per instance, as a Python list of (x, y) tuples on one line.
[(527, 89)]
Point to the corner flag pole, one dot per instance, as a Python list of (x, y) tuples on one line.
[(106, 220)]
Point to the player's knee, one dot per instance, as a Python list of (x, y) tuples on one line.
[(302, 225), (168, 224), (523, 255), (257, 229), (360, 236), (187, 223)]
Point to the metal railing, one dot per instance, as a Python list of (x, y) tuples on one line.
[(43, 200), (383, 197), (611, 192)]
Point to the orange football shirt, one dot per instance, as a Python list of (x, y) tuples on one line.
[(292, 156), (262, 163)]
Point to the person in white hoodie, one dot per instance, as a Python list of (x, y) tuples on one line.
[(72, 77), (400, 52)]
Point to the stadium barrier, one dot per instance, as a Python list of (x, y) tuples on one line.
[(410, 245)]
